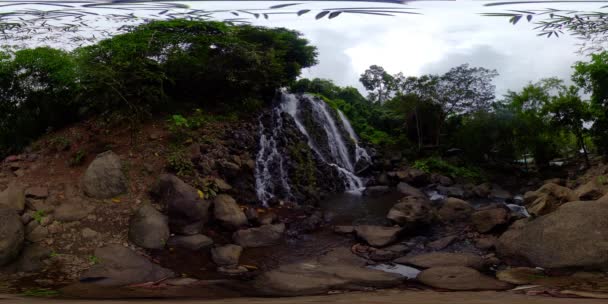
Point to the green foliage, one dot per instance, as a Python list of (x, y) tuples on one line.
[(41, 292), (59, 143), (602, 180), (38, 215), (438, 165), (207, 187), (94, 259), (77, 158), (179, 162)]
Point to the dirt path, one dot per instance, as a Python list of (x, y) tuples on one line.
[(381, 297)]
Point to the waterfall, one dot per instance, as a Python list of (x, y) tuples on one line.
[(329, 136)]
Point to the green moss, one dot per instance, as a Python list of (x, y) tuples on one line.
[(305, 171)]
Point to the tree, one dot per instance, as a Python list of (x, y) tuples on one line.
[(379, 83), (465, 89), (592, 76)]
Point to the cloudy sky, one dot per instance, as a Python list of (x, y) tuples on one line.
[(447, 34)]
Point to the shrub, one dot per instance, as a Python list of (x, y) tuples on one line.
[(438, 165)]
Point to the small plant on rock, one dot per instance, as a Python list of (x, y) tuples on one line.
[(208, 188), (179, 162), (38, 215)]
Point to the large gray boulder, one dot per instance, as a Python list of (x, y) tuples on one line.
[(149, 228), (575, 235), (460, 278), (13, 198), (186, 210), (378, 236), (262, 236), (338, 269), (12, 235), (411, 211), (104, 177), (119, 266), (228, 212)]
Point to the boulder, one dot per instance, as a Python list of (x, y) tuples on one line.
[(228, 212), (149, 228), (13, 198), (12, 235), (441, 259), (486, 242), (186, 210), (337, 270), (119, 266), (575, 235), (191, 242), (227, 255), (262, 236), (378, 236), (453, 191), (376, 190), (104, 177), (548, 198), (482, 190), (592, 190), (73, 209), (455, 210), (460, 278), (486, 220), (441, 180), (415, 177), (442, 242), (408, 190), (520, 275), (411, 211)]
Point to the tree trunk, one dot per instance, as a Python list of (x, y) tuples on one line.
[(581, 142)]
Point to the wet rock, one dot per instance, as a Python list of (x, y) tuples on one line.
[(442, 242), (575, 235), (12, 235), (344, 229), (119, 266), (592, 190), (548, 198), (455, 210), (228, 212), (149, 228), (191, 242), (104, 177), (486, 220), (186, 210), (408, 190), (453, 191), (520, 275), (226, 255), (440, 259), (339, 269), (13, 198), (376, 190), (262, 236), (378, 236), (411, 211), (460, 278), (37, 192)]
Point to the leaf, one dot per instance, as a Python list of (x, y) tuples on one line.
[(116, 200), (265, 16), (529, 17), (321, 15), (284, 5), (334, 14), (200, 194), (302, 12), (515, 19)]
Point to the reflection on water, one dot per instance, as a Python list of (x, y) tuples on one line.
[(353, 209)]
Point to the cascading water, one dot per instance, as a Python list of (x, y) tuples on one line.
[(330, 137)]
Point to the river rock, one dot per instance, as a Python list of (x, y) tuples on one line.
[(338, 269), (592, 190), (376, 190), (119, 266), (262, 236), (486, 220), (228, 212), (453, 191), (548, 198), (191, 242), (520, 275), (411, 211), (149, 228), (460, 278), (575, 235), (482, 190), (13, 198), (442, 242), (378, 236), (408, 190), (12, 235), (186, 210), (455, 210), (73, 209), (440, 259), (104, 177), (226, 255)]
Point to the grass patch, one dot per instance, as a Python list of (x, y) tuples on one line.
[(41, 292)]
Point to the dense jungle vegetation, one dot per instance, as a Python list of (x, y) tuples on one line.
[(167, 66)]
